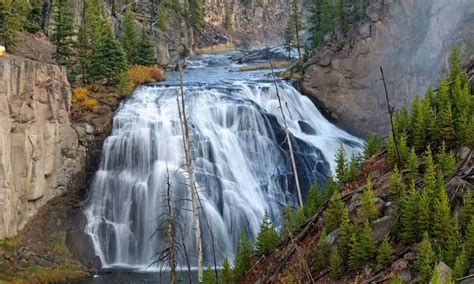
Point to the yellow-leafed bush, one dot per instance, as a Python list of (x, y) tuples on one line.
[(79, 95), (90, 104), (138, 74)]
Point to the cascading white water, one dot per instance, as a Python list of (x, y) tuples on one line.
[(241, 162)]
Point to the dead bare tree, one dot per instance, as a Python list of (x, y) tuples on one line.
[(390, 112), (288, 139), (190, 172)]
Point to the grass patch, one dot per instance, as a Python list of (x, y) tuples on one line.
[(215, 48), (262, 66), (8, 245)]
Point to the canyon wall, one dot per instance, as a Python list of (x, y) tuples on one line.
[(39, 149), (410, 39)]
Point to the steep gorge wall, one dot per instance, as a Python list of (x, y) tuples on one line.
[(410, 39), (39, 149)]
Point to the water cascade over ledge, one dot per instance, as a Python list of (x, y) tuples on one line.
[(241, 161)]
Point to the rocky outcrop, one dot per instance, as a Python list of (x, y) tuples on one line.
[(39, 150), (407, 38)]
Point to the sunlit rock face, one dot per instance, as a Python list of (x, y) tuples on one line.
[(39, 149), (411, 40)]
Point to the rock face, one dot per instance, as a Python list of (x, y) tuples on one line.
[(407, 38), (39, 149)]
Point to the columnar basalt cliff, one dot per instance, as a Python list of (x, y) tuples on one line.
[(411, 40), (39, 149)]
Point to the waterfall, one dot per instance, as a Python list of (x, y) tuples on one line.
[(241, 160)]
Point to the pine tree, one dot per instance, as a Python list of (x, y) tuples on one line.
[(362, 246), (468, 208), (425, 258), (108, 61), (345, 233), (243, 257), (462, 116), (321, 253), (144, 50), (129, 36), (340, 163), (412, 165), (385, 254), (403, 148), (446, 161), (197, 15), (333, 213), (330, 188), (429, 177), (455, 70), (372, 144), (226, 274), (408, 216), (401, 122), (453, 243), (396, 186), (82, 58), (392, 152), (162, 19), (227, 17), (417, 124), (441, 217), (461, 265), (341, 14), (436, 277), (288, 37), (296, 23), (293, 220), (423, 222), (396, 279), (314, 20), (63, 31), (267, 238), (9, 25), (367, 203), (209, 276), (469, 240), (313, 201), (336, 265), (322, 20)]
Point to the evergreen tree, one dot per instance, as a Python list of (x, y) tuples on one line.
[(469, 240), (333, 213), (425, 259), (436, 277), (441, 217), (403, 148), (321, 253), (267, 238), (10, 23), (385, 254), (63, 31), (408, 216), (461, 265), (243, 257), (362, 246), (424, 214), (341, 14), (336, 265), (330, 188), (162, 19), (345, 233), (418, 126), (367, 203), (209, 276), (228, 17), (350, 173), (197, 15), (401, 121), (296, 23), (372, 144), (468, 208), (321, 20), (129, 36), (288, 37), (82, 58), (455, 70), (108, 61), (396, 186), (453, 242), (292, 221), (446, 161), (412, 165), (313, 201), (226, 274), (314, 20), (396, 279), (392, 151), (144, 50), (340, 163), (429, 177)]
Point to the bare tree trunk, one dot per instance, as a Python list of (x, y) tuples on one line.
[(170, 232), (190, 171), (290, 145)]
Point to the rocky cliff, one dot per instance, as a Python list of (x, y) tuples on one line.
[(407, 38), (39, 149)]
